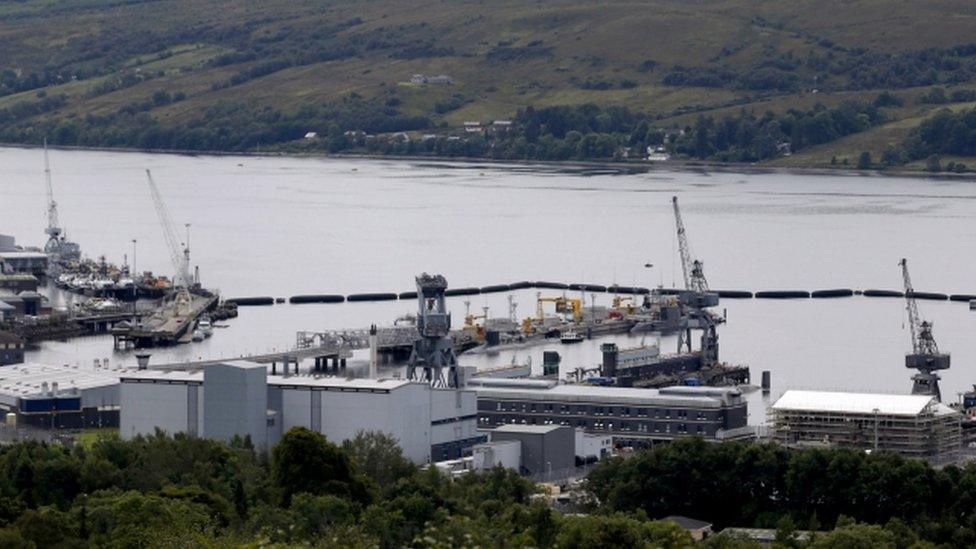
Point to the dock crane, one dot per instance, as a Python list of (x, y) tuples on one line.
[(695, 298), (925, 356), (57, 244), (179, 252)]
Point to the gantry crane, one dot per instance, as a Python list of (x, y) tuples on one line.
[(925, 356), (433, 353), (695, 298), (179, 252)]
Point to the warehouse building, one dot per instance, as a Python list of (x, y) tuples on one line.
[(239, 398), (32, 263), (60, 397), (631, 416), (916, 426)]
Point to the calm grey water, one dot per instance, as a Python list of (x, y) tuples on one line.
[(283, 226)]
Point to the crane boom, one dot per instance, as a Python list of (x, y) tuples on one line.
[(692, 269), (923, 342), (178, 254), (53, 226)]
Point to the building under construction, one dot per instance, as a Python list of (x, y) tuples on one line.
[(915, 426)]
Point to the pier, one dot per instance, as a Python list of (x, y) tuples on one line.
[(166, 326)]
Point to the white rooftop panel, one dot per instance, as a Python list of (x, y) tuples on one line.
[(856, 403)]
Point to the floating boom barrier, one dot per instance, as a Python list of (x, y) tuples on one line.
[(597, 288)]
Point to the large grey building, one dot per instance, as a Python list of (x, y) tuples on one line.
[(631, 416), (547, 450), (237, 405), (430, 424)]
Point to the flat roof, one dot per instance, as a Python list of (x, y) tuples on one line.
[(183, 376), (853, 403), (711, 397), (301, 380), (27, 379), (530, 429), (351, 384), (22, 255)]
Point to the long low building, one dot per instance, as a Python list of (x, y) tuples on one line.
[(61, 397), (916, 426), (239, 398), (635, 416)]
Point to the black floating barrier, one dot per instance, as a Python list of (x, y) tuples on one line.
[(316, 299), (836, 292), (408, 295), (551, 285), (588, 287), (524, 285), (371, 297), (962, 297), (614, 289), (882, 293), (934, 296), (461, 291), (248, 301), (734, 294), (495, 289), (782, 294)]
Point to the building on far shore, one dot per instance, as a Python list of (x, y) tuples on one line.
[(915, 426)]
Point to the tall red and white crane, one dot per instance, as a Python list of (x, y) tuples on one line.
[(179, 252)]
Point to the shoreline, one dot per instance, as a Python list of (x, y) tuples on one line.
[(623, 166)]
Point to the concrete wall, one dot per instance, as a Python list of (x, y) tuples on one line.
[(236, 402), (506, 453), (100, 397), (543, 452), (174, 407), (403, 413)]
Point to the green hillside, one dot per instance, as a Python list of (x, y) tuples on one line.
[(216, 74)]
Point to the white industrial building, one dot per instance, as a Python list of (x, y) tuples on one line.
[(239, 398), (45, 395), (916, 426)]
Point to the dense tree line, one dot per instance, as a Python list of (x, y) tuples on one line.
[(838, 68), (946, 133), (159, 491), (738, 484), (750, 138), (182, 491)]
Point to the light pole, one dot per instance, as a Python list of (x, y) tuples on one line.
[(135, 287)]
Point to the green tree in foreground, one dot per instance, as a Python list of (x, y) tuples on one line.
[(378, 456), (304, 461)]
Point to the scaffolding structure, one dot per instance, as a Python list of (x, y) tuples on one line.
[(923, 429)]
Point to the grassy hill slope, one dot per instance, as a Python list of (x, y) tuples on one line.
[(102, 57)]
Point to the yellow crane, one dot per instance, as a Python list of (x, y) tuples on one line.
[(470, 322), (563, 304)]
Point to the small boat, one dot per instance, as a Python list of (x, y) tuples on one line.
[(571, 336), (972, 304), (198, 335), (205, 326)]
